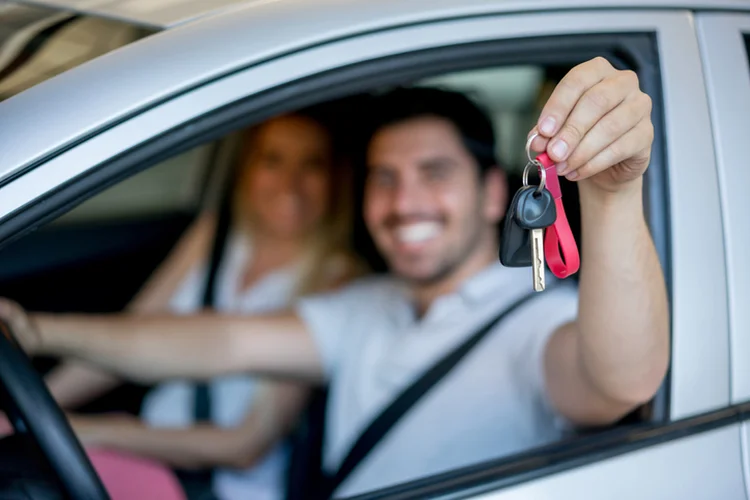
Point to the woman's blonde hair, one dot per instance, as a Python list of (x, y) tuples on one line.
[(329, 258)]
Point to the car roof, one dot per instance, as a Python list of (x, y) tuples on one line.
[(88, 98), (170, 13)]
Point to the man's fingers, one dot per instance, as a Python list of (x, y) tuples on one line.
[(593, 105), (569, 91), (609, 129), (635, 141)]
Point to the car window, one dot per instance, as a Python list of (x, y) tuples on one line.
[(37, 43), (172, 186)]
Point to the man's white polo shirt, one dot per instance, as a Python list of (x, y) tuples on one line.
[(492, 404)]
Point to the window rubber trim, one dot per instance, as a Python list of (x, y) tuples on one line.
[(633, 49), (556, 458)]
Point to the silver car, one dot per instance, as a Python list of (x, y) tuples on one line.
[(115, 115)]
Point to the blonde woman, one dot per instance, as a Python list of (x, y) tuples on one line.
[(288, 236)]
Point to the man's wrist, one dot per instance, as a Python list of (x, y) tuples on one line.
[(629, 196)]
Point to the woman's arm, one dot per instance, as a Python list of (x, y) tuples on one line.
[(274, 413), (73, 384)]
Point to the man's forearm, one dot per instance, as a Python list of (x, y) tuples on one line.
[(623, 327), (149, 349)]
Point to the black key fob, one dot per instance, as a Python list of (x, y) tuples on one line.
[(529, 209), (534, 210)]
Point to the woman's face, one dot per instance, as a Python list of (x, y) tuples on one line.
[(289, 166)]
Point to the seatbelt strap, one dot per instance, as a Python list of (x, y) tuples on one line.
[(389, 417), (202, 401)]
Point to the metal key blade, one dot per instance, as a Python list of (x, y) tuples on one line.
[(537, 258)]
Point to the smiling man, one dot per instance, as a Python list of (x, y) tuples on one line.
[(433, 200)]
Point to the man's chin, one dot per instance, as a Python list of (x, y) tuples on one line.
[(417, 276)]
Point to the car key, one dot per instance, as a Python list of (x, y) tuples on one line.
[(534, 211)]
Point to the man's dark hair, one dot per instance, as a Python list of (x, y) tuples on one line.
[(406, 103)]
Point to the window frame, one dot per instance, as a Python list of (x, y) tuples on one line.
[(169, 130), (724, 41), (725, 45)]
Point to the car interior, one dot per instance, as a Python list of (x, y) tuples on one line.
[(96, 257)]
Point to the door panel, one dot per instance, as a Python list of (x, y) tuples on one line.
[(724, 41), (728, 84), (700, 467)]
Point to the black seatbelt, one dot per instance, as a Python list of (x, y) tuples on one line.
[(202, 403), (198, 484), (390, 416)]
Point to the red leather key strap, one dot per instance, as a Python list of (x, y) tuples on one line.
[(560, 249)]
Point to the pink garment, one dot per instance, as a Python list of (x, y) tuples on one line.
[(126, 476), (129, 477), (5, 428)]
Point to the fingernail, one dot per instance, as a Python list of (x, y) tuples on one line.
[(572, 175), (547, 127), (559, 149), (561, 167)]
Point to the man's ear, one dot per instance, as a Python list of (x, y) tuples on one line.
[(495, 194)]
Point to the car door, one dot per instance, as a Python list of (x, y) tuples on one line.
[(725, 46), (690, 448)]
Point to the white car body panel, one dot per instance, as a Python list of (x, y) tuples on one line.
[(728, 85), (649, 474)]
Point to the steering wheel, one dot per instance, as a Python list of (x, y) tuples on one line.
[(35, 413)]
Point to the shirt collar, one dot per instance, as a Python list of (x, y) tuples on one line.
[(491, 280)]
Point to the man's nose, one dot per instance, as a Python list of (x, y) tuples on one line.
[(409, 197)]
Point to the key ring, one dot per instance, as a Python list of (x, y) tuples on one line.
[(542, 174), (534, 162), (528, 147)]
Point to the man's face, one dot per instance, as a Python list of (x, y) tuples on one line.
[(425, 205)]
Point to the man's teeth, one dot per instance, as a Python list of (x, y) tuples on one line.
[(418, 232)]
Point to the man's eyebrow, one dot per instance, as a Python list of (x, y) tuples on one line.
[(441, 161)]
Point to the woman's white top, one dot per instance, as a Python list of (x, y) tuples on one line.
[(171, 404)]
